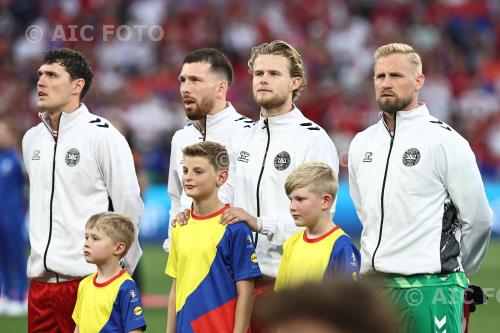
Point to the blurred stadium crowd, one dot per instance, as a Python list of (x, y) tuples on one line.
[(136, 82)]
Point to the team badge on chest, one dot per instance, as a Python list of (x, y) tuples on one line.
[(282, 161), (72, 157), (411, 157)]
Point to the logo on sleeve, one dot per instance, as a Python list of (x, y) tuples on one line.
[(133, 294), (282, 161), (72, 157), (137, 310), (36, 155), (411, 157), (244, 155), (368, 157)]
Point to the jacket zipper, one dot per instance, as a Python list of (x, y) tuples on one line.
[(383, 191), (51, 198), (203, 133), (266, 122)]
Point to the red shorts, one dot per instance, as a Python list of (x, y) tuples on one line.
[(50, 306)]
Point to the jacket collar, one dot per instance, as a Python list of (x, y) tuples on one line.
[(218, 118), (66, 120), (285, 119), (410, 115), (420, 110)]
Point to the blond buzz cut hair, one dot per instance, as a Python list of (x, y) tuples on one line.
[(281, 48), (214, 152), (400, 48), (116, 226), (319, 176)]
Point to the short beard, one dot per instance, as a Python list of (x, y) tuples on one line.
[(200, 110), (271, 103), (393, 107)]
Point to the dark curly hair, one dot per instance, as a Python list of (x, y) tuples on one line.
[(75, 64)]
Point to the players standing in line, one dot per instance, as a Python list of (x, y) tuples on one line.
[(419, 195), (78, 165), (265, 153)]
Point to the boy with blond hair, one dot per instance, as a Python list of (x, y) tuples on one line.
[(322, 250), (213, 266), (108, 300)]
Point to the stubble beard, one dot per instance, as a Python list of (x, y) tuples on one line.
[(393, 106), (270, 102), (201, 109)]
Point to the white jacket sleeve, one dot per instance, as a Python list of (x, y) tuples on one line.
[(279, 228), (461, 177), (116, 163)]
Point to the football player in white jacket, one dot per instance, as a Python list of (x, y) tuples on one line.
[(266, 153), (420, 198), (204, 81), (78, 165)]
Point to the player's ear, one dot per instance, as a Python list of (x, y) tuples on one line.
[(326, 201), (419, 82), (221, 89), (78, 85), (119, 249), (295, 84), (221, 177)]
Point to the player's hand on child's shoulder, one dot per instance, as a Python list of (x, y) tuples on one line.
[(235, 214), (182, 218)]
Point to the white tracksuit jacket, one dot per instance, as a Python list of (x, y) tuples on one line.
[(419, 196), (70, 180), (220, 128), (262, 157)]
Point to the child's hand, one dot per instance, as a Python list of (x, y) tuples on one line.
[(235, 214), (182, 218)]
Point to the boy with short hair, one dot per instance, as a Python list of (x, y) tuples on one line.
[(212, 265), (322, 250), (108, 300)]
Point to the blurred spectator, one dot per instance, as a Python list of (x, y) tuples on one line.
[(459, 40), (336, 307), (13, 281)]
